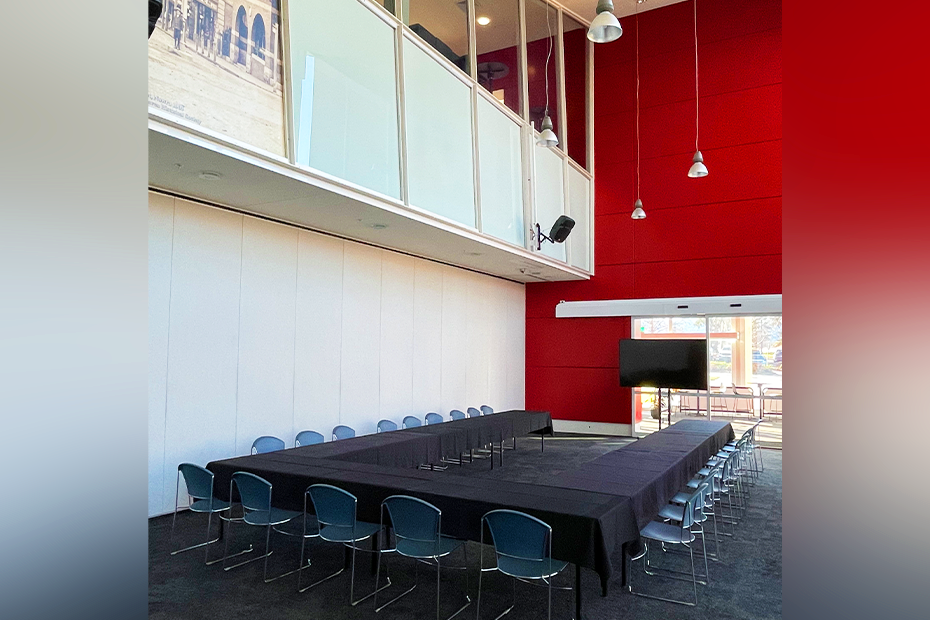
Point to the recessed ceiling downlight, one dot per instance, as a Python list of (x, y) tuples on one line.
[(209, 175)]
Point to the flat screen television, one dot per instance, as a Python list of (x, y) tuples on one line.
[(680, 364)]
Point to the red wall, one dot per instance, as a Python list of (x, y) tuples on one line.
[(718, 235)]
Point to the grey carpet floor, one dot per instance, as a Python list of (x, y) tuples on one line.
[(745, 584)]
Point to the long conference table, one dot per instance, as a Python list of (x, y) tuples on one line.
[(593, 510)]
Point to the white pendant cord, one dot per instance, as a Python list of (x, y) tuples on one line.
[(548, 56), (697, 124)]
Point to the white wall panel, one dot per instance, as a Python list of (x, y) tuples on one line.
[(396, 364), (318, 355), (477, 329), (454, 340), (499, 353), (257, 328), (204, 336), (515, 295), (266, 333), (427, 338), (361, 336), (161, 224)]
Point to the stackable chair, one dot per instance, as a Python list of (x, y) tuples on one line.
[(679, 533), (386, 425), (335, 511), (455, 414), (343, 432), (753, 452), (418, 535), (255, 497), (479, 453), (523, 548), (199, 483), (435, 418), (709, 507), (308, 438), (487, 410), (411, 421), (267, 443), (722, 480)]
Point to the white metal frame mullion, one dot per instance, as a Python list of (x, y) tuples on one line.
[(401, 112), (475, 87), (527, 137), (522, 60), (285, 29)]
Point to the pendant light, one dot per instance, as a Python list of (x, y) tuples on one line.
[(547, 137), (638, 213), (605, 27), (698, 169)]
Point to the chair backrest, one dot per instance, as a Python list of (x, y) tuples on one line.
[(700, 501), (199, 480), (519, 535), (332, 505), (308, 438), (267, 443), (455, 414), (254, 491), (695, 502), (343, 432), (486, 410), (411, 421), (473, 413), (434, 418), (386, 425), (413, 519)]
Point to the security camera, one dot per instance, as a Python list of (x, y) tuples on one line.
[(558, 233)]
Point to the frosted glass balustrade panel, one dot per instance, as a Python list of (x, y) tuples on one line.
[(440, 164), (550, 194), (344, 96), (500, 174), (579, 209)]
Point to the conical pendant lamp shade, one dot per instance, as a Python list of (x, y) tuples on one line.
[(638, 213), (698, 169), (605, 27), (547, 137)]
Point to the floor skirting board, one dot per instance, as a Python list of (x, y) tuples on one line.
[(593, 428)]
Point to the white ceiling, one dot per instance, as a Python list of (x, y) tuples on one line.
[(446, 19), (622, 8), (279, 192)]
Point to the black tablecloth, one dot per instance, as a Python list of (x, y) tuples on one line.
[(592, 509)]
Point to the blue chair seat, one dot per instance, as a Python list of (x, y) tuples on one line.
[(203, 505), (427, 549), (274, 517), (343, 533), (529, 569), (673, 511), (666, 532)]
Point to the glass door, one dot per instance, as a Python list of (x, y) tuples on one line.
[(745, 374), (650, 413)]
